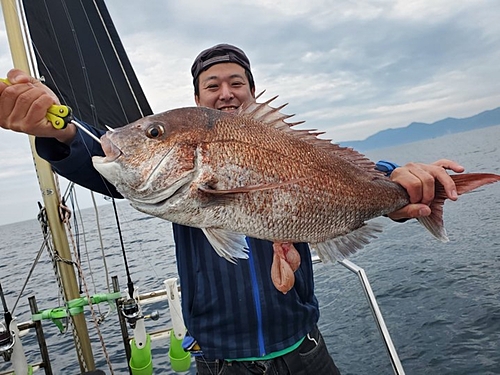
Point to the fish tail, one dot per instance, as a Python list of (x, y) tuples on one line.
[(464, 183)]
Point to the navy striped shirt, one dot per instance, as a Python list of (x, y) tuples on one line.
[(234, 310)]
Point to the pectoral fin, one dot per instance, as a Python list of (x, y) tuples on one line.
[(228, 245)]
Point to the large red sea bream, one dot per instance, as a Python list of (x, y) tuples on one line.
[(252, 174)]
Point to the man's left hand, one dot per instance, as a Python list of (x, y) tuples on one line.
[(419, 181)]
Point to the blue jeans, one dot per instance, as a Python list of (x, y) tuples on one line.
[(310, 358)]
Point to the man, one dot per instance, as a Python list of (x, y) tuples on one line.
[(242, 323)]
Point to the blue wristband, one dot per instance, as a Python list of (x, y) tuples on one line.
[(386, 167)]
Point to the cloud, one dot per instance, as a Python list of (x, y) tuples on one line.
[(329, 61)]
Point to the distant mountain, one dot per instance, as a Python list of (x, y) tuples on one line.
[(418, 131)]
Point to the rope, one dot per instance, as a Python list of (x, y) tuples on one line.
[(87, 294)]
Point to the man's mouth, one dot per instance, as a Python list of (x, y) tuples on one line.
[(230, 108)]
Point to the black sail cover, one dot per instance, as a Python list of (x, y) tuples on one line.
[(81, 58)]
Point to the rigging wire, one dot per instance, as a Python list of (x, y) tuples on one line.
[(118, 59), (82, 62), (98, 226), (25, 35)]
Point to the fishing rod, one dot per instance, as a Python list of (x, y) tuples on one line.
[(7, 340), (11, 348)]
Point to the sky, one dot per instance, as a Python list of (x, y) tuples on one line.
[(347, 67)]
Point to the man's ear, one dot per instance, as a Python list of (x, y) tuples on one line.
[(197, 100)]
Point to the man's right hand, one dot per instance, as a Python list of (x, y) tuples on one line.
[(24, 104)]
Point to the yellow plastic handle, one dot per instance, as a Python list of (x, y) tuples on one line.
[(59, 110), (59, 116), (56, 121)]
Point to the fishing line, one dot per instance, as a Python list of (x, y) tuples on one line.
[(98, 226), (130, 284)]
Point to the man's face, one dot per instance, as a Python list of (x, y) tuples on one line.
[(224, 87)]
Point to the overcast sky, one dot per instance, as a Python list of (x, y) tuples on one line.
[(348, 67)]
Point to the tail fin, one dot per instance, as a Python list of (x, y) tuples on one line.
[(464, 183)]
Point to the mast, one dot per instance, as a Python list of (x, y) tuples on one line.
[(50, 197)]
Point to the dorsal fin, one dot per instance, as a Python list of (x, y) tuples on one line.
[(272, 116)]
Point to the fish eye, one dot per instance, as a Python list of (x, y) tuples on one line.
[(155, 131)]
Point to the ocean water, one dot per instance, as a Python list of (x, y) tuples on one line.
[(440, 301)]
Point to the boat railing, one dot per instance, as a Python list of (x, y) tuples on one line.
[(377, 314)]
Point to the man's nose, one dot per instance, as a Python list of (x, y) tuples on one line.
[(226, 92)]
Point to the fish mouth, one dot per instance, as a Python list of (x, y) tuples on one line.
[(111, 151)]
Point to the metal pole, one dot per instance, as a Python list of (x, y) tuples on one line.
[(41, 338), (49, 193), (379, 319), (123, 323)]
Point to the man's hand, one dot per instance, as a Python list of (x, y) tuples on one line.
[(24, 104), (419, 181)]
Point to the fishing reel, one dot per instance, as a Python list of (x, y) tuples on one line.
[(7, 342), (131, 311)]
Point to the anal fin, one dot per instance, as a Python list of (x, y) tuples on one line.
[(339, 248)]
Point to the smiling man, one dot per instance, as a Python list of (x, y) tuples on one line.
[(222, 78)]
